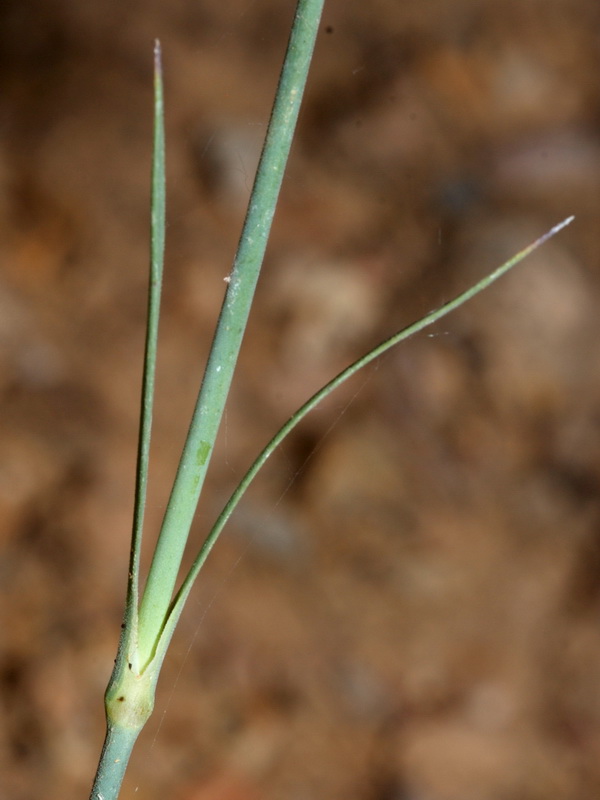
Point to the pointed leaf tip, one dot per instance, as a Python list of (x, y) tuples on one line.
[(562, 224), (553, 231)]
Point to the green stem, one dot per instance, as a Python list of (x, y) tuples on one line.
[(116, 752), (198, 448)]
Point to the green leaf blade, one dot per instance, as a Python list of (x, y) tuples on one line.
[(325, 391)]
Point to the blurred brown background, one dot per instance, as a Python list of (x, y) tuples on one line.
[(406, 606)]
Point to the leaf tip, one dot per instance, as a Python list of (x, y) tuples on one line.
[(157, 56), (552, 232), (562, 224)]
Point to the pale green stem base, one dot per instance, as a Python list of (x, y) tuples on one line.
[(116, 751)]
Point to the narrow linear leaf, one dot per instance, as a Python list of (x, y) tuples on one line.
[(124, 690), (325, 391), (157, 249)]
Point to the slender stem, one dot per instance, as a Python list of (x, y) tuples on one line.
[(198, 448), (116, 752)]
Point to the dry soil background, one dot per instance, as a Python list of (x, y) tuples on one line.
[(406, 606)]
